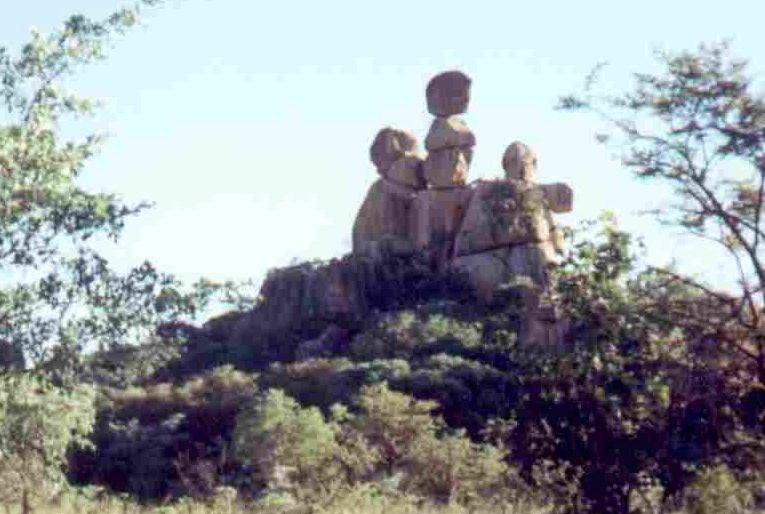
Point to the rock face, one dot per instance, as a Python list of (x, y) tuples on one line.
[(503, 213), (435, 217), (448, 93), (527, 263), (382, 224)]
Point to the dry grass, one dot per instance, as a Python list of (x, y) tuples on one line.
[(360, 500)]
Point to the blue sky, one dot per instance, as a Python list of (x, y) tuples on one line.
[(248, 123)]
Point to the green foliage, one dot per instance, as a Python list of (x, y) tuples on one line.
[(392, 439), (38, 424), (454, 469), (393, 422), (324, 382), (286, 444), (167, 439), (698, 127), (210, 397), (403, 333), (72, 299), (359, 499), (716, 489)]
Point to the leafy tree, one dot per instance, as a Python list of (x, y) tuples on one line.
[(48, 222), (699, 127), (453, 469), (392, 422), (286, 444)]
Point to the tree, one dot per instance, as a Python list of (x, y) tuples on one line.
[(699, 128), (286, 444), (75, 300)]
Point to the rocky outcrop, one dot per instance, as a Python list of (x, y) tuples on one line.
[(493, 232)]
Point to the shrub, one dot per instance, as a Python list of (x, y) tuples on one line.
[(167, 439), (406, 333), (38, 424), (454, 469), (393, 422), (716, 490), (286, 445)]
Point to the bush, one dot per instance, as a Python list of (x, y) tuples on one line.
[(286, 445), (717, 490), (406, 333), (167, 439), (454, 469), (38, 424)]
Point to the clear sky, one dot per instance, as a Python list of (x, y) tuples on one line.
[(249, 122)]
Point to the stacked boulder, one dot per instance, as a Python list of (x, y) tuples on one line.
[(495, 231), (508, 229), (382, 224), (449, 141), (437, 212)]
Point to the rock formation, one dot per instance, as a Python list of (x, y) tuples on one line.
[(421, 215), (382, 224), (495, 231), (449, 142)]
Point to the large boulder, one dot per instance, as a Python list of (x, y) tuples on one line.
[(435, 217), (382, 223), (523, 264), (503, 213), (448, 133), (389, 145), (446, 168), (448, 93)]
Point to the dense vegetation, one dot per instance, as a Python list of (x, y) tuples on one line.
[(111, 400)]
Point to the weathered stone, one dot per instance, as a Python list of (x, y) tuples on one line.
[(446, 168), (297, 293), (503, 213), (382, 223), (407, 171), (448, 133), (486, 271), (520, 162), (448, 93), (560, 197), (531, 260), (390, 145), (435, 217)]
